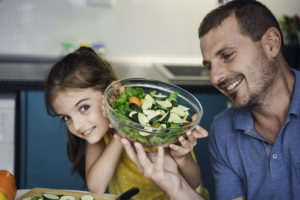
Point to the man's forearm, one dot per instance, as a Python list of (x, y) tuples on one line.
[(185, 192)]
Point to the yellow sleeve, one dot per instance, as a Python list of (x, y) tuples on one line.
[(201, 190)]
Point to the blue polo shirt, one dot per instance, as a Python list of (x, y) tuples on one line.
[(246, 164)]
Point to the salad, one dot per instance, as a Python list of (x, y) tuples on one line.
[(152, 112)]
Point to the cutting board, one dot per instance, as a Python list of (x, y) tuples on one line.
[(39, 191)]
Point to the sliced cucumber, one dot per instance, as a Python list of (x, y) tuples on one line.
[(87, 197), (67, 197), (160, 97), (165, 105), (142, 133), (143, 120), (178, 111), (49, 196)]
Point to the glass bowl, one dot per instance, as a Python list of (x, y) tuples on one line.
[(151, 136)]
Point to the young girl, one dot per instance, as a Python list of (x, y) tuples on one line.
[(74, 92)]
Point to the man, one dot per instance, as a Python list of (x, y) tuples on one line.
[(254, 145)]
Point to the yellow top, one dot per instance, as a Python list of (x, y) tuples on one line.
[(127, 175)]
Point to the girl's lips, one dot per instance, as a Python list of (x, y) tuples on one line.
[(88, 131)]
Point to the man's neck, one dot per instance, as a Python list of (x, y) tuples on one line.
[(270, 116)]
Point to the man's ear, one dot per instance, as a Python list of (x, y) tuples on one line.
[(271, 42)]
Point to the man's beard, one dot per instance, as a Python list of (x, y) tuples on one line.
[(264, 86)]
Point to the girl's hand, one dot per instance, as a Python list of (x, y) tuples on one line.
[(186, 147), (188, 144)]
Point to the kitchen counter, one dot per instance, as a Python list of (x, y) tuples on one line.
[(29, 73)]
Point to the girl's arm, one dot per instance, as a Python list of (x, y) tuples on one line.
[(189, 169), (101, 162)]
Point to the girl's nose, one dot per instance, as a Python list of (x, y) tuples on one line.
[(78, 123)]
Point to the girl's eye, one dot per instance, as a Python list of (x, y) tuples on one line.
[(84, 108), (65, 118)]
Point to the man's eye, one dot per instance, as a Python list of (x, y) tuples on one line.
[(84, 108), (227, 55), (65, 118)]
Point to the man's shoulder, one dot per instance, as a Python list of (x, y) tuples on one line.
[(226, 116)]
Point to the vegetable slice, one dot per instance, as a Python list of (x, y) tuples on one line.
[(67, 197), (135, 100), (87, 197), (47, 196)]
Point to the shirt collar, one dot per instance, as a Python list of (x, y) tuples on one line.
[(295, 105), (243, 119)]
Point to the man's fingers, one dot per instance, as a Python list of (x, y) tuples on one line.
[(159, 163), (200, 132), (130, 152), (192, 139), (143, 159)]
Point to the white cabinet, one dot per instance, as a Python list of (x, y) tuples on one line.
[(7, 131)]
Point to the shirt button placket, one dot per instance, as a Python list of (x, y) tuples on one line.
[(274, 165)]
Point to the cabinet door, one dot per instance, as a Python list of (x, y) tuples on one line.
[(43, 156), (212, 104)]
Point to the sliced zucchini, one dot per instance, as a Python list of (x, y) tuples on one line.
[(148, 98), (165, 117), (143, 120), (55, 193), (154, 116), (49, 196), (178, 111), (134, 107), (87, 197), (183, 108), (28, 198), (187, 117), (160, 97), (165, 105), (148, 112), (134, 116), (180, 122), (142, 133), (162, 128), (174, 102), (147, 105), (132, 113), (67, 197), (162, 112), (174, 117)]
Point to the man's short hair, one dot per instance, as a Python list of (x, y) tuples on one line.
[(253, 17)]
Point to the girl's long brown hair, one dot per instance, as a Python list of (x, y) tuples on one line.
[(81, 69)]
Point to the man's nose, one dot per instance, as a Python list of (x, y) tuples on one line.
[(217, 74)]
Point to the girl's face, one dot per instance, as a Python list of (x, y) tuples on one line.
[(81, 110)]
